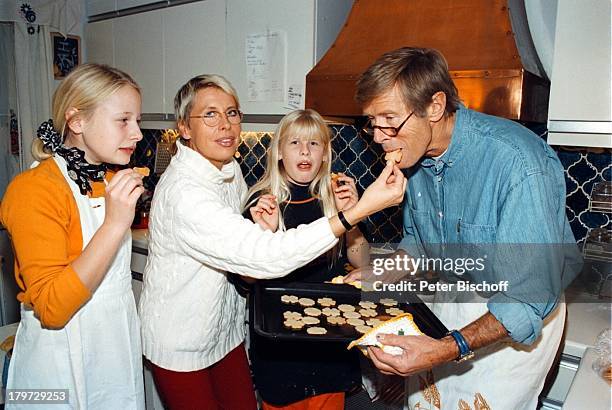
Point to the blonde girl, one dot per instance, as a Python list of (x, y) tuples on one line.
[(298, 188), (69, 219)]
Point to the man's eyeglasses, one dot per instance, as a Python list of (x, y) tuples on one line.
[(388, 131), (213, 118)]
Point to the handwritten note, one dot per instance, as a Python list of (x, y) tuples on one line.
[(295, 94), (266, 62)]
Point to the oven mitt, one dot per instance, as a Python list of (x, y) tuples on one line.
[(401, 325)]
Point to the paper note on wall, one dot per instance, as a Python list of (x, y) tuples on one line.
[(294, 96), (266, 62)]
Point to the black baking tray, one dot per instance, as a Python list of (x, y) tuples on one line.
[(266, 310)]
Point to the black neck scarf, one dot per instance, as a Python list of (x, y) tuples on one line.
[(79, 170)]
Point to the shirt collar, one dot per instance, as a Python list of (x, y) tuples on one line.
[(201, 168), (453, 152)]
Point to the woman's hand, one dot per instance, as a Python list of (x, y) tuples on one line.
[(387, 190), (345, 192), (121, 195), (265, 212)]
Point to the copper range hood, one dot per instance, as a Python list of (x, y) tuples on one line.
[(476, 37)]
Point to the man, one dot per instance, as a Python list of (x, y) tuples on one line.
[(474, 181)]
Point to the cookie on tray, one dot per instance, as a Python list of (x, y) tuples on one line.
[(351, 315), (346, 308), (336, 320), (308, 320), (316, 330), (289, 299), (355, 322), (367, 305), (306, 302), (312, 311), (330, 311), (288, 314), (367, 312), (326, 302)]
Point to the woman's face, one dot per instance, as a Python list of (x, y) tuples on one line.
[(216, 143), (302, 158), (111, 132)]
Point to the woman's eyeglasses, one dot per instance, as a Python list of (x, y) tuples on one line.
[(213, 118)]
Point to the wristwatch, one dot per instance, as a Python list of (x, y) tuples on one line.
[(465, 353)]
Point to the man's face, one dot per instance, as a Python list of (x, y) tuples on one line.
[(415, 136)]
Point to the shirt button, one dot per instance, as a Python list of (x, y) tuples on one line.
[(440, 214), (439, 179)]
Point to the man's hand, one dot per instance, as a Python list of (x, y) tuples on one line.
[(423, 352), (419, 353)]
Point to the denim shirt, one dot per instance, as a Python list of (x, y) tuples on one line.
[(497, 188)]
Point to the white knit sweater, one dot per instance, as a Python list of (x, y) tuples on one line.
[(191, 315)]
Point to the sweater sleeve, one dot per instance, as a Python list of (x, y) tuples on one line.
[(37, 216), (225, 240)]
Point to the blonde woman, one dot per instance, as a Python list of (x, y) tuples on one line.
[(192, 316), (298, 184), (69, 222)]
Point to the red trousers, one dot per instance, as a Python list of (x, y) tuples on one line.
[(226, 385)]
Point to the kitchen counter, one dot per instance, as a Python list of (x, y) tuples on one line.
[(586, 318), (588, 389)]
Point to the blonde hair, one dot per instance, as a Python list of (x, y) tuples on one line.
[(307, 125), (183, 101), (84, 88)]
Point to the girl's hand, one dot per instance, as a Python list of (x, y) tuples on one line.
[(345, 192), (121, 195), (265, 212)]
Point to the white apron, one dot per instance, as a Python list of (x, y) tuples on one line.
[(505, 375), (97, 356)]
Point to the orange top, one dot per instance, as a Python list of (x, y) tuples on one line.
[(42, 218)]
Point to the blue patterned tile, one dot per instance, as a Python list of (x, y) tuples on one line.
[(583, 168)]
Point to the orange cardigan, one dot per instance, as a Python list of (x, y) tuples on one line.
[(42, 218)]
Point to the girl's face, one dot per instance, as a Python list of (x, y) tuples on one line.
[(302, 158), (111, 132), (216, 143)]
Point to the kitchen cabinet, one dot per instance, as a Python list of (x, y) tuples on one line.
[(194, 37), (95, 7), (163, 48), (135, 49), (580, 108), (310, 26)]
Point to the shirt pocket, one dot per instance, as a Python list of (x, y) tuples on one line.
[(475, 234)]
